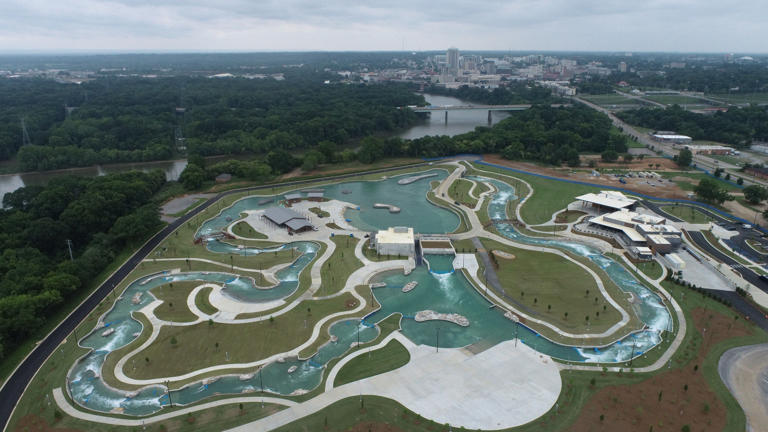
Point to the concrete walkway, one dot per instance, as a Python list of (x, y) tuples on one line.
[(744, 370), (502, 387)]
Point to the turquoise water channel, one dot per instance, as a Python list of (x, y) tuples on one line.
[(439, 288)]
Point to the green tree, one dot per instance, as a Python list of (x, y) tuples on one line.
[(609, 155), (755, 194), (709, 191), (684, 158), (193, 177)]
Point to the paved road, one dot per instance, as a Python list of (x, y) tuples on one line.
[(16, 384)]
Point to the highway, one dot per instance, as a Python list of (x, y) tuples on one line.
[(17, 383), (668, 149)]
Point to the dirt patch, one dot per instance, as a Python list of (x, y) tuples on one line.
[(34, 423), (504, 255), (637, 407), (739, 210), (661, 189)]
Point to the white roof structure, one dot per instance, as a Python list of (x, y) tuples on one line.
[(672, 137), (396, 235), (658, 239), (611, 199), (628, 231)]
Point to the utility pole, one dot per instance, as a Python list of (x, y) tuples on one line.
[(69, 246)]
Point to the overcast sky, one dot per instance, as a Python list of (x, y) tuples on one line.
[(261, 25)]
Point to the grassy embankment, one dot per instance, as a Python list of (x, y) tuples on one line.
[(389, 357)]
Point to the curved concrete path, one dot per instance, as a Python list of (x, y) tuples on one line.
[(744, 370)]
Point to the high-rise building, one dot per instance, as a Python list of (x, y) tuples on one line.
[(622, 67), (452, 57)]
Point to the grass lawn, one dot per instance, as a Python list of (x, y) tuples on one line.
[(674, 99), (339, 266), (695, 177), (742, 97), (550, 228), (549, 196), (206, 344), (244, 229), (202, 303), (652, 269), (181, 246), (440, 202), (319, 212), (610, 99), (389, 357), (687, 213), (540, 279), (569, 216), (459, 191), (480, 188), (174, 297)]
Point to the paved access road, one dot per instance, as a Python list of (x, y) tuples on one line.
[(15, 385)]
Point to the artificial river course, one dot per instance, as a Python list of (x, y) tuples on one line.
[(439, 289)]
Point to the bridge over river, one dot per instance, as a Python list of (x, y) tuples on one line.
[(489, 108)]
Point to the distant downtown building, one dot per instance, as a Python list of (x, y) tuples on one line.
[(452, 60)]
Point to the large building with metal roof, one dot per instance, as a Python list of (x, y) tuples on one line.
[(607, 200), (287, 218)]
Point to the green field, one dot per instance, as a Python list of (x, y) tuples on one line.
[(389, 357), (459, 191), (551, 286), (740, 98), (339, 266), (202, 303), (687, 213), (696, 177), (652, 269), (244, 229), (174, 297), (205, 344), (610, 99), (675, 99)]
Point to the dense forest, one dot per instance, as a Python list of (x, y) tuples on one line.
[(100, 216), (737, 126), (721, 78), (513, 93), (135, 119)]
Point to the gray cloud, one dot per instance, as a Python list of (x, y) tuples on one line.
[(147, 25)]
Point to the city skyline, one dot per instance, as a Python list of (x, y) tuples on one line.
[(236, 26)]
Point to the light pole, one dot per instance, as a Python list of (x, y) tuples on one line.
[(437, 340), (168, 387), (261, 384)]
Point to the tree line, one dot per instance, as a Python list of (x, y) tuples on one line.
[(737, 126), (124, 119), (100, 216)]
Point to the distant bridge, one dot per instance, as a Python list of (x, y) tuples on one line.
[(431, 108), (489, 108)]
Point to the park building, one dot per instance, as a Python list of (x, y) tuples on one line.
[(641, 234), (395, 241), (711, 150), (671, 137), (607, 201), (289, 219)]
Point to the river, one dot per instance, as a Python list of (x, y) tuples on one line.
[(458, 122)]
